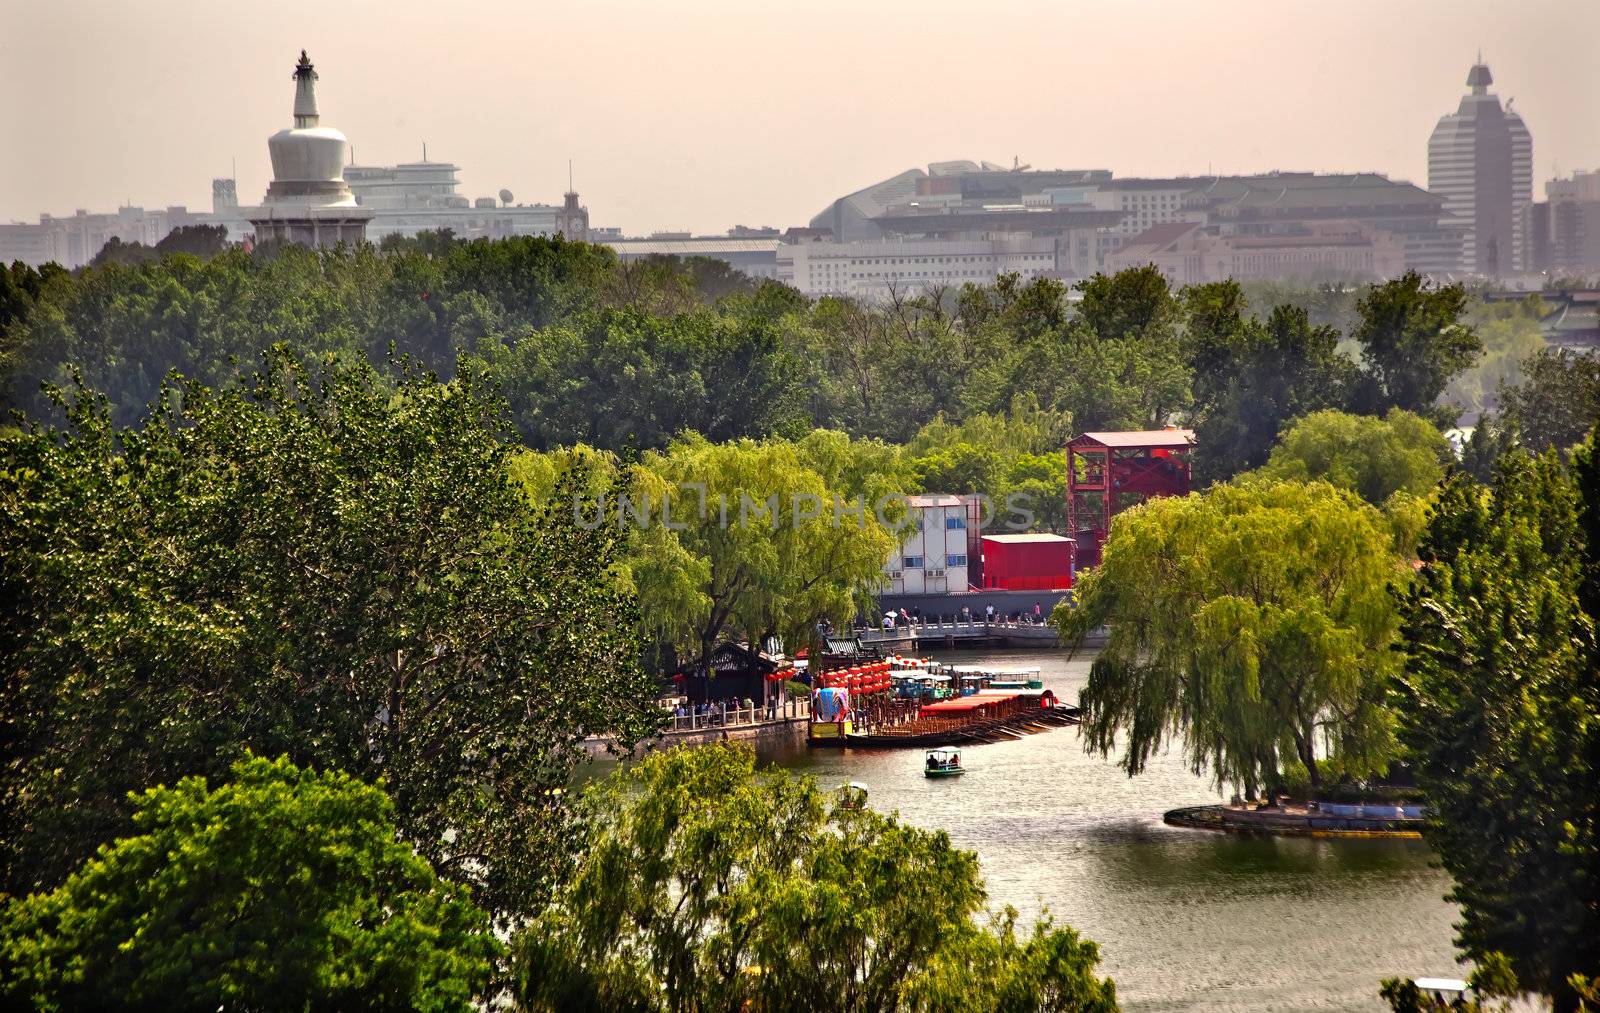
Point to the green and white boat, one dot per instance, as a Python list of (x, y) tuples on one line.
[(943, 763)]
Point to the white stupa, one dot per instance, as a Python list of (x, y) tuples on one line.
[(308, 201)]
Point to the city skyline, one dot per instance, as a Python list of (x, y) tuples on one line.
[(148, 106)]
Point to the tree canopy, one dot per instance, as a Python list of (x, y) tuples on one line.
[(625, 357), (313, 563), (706, 884), (758, 542), (1254, 623), (1373, 458), (1499, 711), (1413, 342), (1253, 377), (279, 889), (1557, 402)]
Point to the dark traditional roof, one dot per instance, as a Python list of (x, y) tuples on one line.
[(731, 657)]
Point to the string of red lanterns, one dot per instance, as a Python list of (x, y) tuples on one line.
[(871, 678)]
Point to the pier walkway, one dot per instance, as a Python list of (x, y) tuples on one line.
[(785, 723), (973, 632)]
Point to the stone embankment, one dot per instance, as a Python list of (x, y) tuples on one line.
[(780, 731)]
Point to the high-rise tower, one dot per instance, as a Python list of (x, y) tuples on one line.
[(1480, 160)]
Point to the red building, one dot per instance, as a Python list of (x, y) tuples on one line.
[(1027, 562), (1109, 472)]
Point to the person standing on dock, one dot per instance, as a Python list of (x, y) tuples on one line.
[(1038, 614), (988, 614)]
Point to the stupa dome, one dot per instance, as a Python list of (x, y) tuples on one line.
[(308, 159)]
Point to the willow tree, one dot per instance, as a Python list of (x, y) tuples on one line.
[(705, 883), (749, 537), (1374, 458), (1253, 623)]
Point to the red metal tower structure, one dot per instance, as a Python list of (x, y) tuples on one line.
[(1109, 472)]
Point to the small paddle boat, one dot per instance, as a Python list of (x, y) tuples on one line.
[(943, 763)]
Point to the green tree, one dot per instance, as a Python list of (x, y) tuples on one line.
[(625, 379), (1557, 401), (747, 537), (1373, 458), (1251, 377), (1116, 383), (281, 889), (1413, 343), (118, 251), (125, 325), (314, 564), (1490, 438), (1511, 332), (1493, 987), (1499, 711), (1132, 303), (1252, 621), (1014, 458), (707, 885), (195, 240)]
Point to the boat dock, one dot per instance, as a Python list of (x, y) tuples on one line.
[(918, 703), (926, 733)]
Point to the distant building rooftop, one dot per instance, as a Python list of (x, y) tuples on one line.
[(935, 500), (692, 247)]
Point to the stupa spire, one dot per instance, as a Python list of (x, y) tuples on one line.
[(305, 93)]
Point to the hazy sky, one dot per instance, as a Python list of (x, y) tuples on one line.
[(702, 114)]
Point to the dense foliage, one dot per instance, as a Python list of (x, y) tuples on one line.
[(345, 562), (317, 564), (1499, 710), (1251, 377), (707, 885), (281, 889), (1414, 340), (628, 356), (1556, 403), (1372, 457), (1252, 622)]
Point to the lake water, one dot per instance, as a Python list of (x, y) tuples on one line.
[(1186, 919)]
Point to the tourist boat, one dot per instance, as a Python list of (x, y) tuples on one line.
[(1016, 678), (943, 763)]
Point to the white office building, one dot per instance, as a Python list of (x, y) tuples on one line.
[(935, 555), (73, 240), (875, 269), (415, 197)]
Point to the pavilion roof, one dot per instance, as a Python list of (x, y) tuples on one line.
[(1137, 438)]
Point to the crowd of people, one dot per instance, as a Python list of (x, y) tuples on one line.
[(722, 712), (904, 618)]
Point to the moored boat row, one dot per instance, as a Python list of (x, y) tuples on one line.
[(903, 702)]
